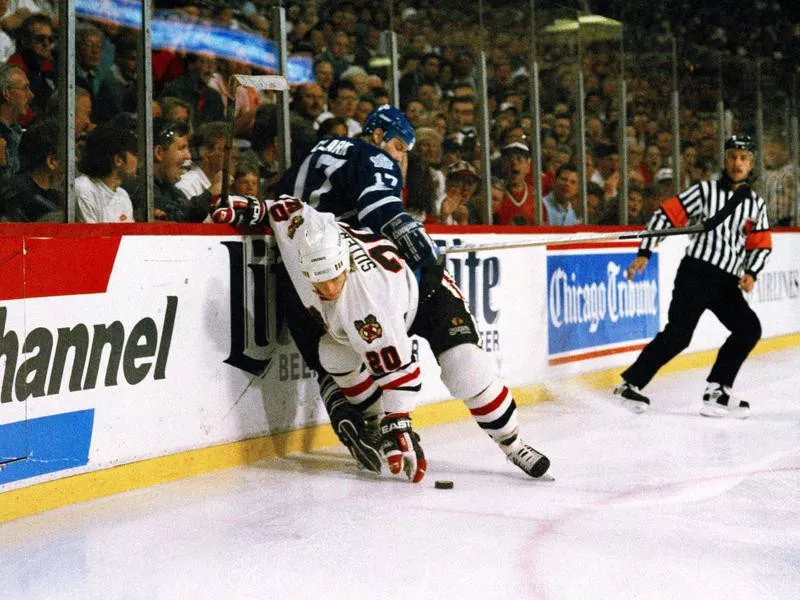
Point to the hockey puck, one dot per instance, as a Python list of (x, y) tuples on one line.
[(443, 485)]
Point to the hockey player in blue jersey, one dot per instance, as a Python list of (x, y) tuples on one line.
[(361, 182)]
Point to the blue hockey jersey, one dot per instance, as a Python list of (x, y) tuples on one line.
[(356, 181)]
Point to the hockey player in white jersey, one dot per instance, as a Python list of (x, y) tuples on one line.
[(371, 302)]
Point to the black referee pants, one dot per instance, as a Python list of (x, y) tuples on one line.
[(700, 286)]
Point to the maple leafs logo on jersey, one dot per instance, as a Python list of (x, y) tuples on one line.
[(382, 162), (369, 329), (296, 221)]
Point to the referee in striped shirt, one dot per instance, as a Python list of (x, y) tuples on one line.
[(719, 265)]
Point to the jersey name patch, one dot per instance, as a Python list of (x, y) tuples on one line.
[(382, 162), (369, 329)]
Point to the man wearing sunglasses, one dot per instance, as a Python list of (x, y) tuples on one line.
[(35, 57)]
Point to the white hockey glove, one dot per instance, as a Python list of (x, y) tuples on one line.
[(240, 210), (400, 445)]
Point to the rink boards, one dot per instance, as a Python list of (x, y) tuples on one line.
[(157, 350)]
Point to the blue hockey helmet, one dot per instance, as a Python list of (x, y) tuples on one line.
[(393, 123)]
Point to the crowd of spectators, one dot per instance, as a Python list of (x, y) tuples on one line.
[(437, 91)]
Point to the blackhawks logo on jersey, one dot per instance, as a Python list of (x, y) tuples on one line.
[(369, 329), (296, 221)]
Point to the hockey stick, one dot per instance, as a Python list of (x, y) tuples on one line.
[(712, 222), (578, 238), (260, 82)]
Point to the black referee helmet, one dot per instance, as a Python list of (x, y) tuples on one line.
[(740, 142)]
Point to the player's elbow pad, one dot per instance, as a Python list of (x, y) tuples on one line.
[(414, 243)]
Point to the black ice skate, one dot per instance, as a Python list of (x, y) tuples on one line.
[(718, 402), (631, 397)]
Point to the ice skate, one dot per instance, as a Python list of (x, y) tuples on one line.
[(631, 397), (526, 458), (718, 402)]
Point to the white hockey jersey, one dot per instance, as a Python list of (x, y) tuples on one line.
[(378, 302)]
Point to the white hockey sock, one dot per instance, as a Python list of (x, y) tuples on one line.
[(496, 412)]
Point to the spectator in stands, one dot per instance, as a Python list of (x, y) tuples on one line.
[(430, 96), (193, 88), (498, 191), (15, 97), (777, 182), (109, 160), (664, 143), (117, 91), (358, 77), (323, 75), (462, 124), (519, 206), (170, 151), (608, 167), (343, 102), (462, 70), (381, 96), (636, 216), (418, 197), (83, 116), (562, 128), (208, 142), (337, 54), (688, 160), (595, 203), (176, 109), (429, 145), (636, 158), (246, 180), (595, 133), (661, 190), (652, 163), (308, 103), (560, 203), (366, 104), (88, 52), (415, 111), (33, 194), (332, 127), (462, 180), (418, 71), (35, 57), (370, 47)]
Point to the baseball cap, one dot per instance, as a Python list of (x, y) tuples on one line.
[(461, 167), (515, 148)]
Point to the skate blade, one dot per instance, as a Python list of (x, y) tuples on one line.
[(635, 406)]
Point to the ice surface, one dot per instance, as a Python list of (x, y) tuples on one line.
[(667, 504)]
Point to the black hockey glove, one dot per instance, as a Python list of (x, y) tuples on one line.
[(358, 437)]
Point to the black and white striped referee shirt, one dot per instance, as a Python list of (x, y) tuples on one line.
[(739, 245)]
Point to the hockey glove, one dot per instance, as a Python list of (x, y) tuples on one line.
[(361, 441), (240, 210), (400, 445)]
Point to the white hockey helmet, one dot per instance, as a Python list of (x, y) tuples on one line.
[(324, 254)]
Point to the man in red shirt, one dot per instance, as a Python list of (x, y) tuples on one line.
[(519, 205)]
